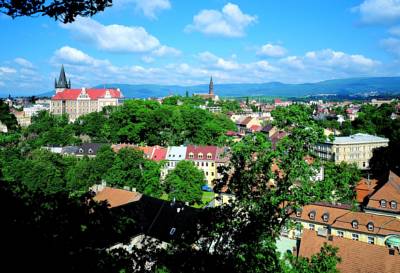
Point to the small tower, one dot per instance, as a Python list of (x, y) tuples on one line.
[(211, 87), (62, 82)]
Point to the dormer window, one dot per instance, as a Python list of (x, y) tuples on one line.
[(191, 155), (393, 204), (370, 226), (312, 215), (298, 213), (325, 217), (81, 151), (354, 224), (382, 203), (200, 156), (90, 151), (209, 156)]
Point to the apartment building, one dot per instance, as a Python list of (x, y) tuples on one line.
[(356, 149)]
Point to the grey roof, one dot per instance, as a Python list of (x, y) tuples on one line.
[(88, 148), (359, 138), (62, 80)]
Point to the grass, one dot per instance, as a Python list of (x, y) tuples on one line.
[(205, 199)]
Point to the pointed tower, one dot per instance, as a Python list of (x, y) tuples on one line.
[(211, 87), (62, 82)]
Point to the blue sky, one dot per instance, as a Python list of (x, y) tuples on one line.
[(185, 41)]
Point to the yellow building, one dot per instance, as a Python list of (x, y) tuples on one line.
[(356, 149)]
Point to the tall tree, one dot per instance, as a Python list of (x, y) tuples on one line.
[(184, 182)]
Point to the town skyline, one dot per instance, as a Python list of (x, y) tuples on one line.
[(135, 42)]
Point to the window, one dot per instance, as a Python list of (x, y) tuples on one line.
[(200, 156), (209, 156), (206, 173), (393, 204), (354, 237), (370, 226), (172, 231), (90, 151), (202, 164), (191, 155), (212, 173), (382, 203), (298, 213), (81, 151), (311, 226), (354, 224), (198, 164), (325, 217), (340, 233), (363, 164), (371, 240), (212, 164), (206, 164), (312, 215)]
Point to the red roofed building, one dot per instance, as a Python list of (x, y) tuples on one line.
[(204, 158), (355, 256), (77, 102)]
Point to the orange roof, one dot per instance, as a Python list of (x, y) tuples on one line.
[(365, 188), (117, 197), (356, 256), (320, 210), (383, 225), (390, 191)]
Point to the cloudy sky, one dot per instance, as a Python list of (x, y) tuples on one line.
[(185, 41)]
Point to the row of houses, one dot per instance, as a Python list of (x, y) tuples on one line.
[(371, 233), (205, 158)]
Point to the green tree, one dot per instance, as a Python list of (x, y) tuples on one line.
[(62, 10), (6, 117), (184, 183), (324, 261)]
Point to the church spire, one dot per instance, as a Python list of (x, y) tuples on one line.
[(211, 87), (62, 80)]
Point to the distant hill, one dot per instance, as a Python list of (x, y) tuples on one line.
[(352, 86)]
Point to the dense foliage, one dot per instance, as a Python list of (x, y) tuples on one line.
[(184, 182)]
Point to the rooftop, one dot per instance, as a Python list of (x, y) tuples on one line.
[(359, 138), (356, 256)]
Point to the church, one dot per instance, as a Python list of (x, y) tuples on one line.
[(210, 94), (77, 102)]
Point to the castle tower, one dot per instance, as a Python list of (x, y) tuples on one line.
[(211, 87), (62, 82)]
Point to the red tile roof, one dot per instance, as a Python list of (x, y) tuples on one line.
[(255, 128), (159, 153), (94, 94), (196, 150), (356, 256), (117, 197), (365, 188), (390, 191)]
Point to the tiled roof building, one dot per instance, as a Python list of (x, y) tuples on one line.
[(356, 257), (77, 102)]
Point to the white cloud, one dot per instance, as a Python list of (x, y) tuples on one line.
[(23, 62), (293, 62), (7, 70), (379, 11), (149, 8), (147, 59), (72, 55), (337, 59), (395, 30), (230, 22), (271, 50), (166, 51), (212, 60), (114, 38), (392, 45)]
